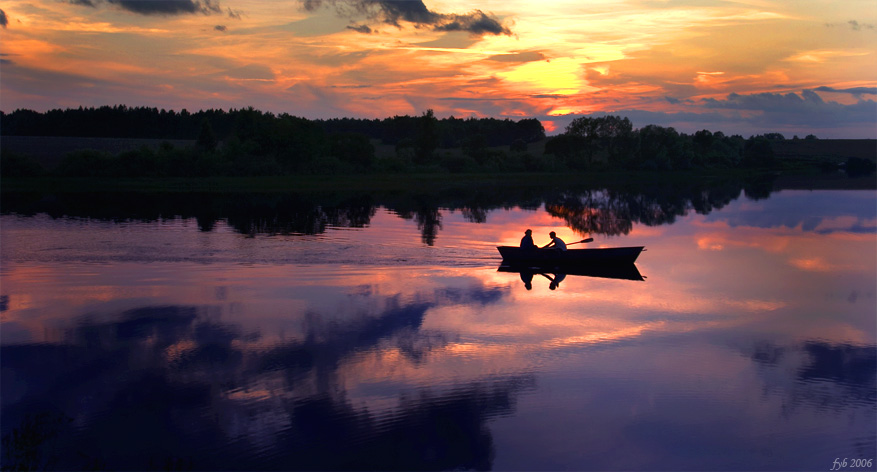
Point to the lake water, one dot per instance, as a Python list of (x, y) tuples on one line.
[(281, 332)]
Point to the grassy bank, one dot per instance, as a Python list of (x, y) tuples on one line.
[(308, 183)]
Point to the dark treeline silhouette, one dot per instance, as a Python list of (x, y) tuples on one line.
[(606, 211), (144, 122), (252, 142), (612, 142)]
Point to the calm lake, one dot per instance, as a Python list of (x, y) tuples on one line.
[(375, 331)]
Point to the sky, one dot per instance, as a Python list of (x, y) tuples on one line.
[(741, 67)]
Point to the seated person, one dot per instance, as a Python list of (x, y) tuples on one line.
[(527, 240), (556, 242)]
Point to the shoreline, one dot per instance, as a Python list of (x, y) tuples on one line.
[(427, 182)]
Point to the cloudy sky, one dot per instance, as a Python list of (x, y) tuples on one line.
[(742, 67)]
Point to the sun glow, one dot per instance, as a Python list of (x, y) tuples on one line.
[(546, 59), (559, 76)]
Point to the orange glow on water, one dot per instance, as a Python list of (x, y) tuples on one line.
[(270, 327)]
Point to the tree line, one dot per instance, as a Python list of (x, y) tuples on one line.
[(612, 142), (252, 142)]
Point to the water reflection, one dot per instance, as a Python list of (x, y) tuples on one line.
[(826, 375), (179, 386), (584, 210), (608, 271), (157, 345)]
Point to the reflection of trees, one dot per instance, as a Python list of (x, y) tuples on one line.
[(429, 222), (291, 214), (591, 212), (610, 211), (426, 215), (248, 213), (613, 212), (475, 215), (153, 388)]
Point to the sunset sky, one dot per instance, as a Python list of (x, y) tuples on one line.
[(741, 67)]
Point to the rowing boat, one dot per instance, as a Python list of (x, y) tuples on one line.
[(613, 255)]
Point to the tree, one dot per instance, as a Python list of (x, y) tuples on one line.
[(585, 128), (529, 130), (206, 137), (609, 135), (427, 138), (615, 135), (660, 148), (353, 148), (758, 153), (569, 148)]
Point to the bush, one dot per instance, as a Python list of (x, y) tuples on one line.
[(394, 164), (569, 149), (758, 152), (857, 166), (17, 165), (87, 163), (355, 149), (137, 163), (456, 164)]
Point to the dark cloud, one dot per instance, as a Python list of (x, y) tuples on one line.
[(752, 114), (476, 22), (234, 14), (222, 28), (395, 12), (856, 26), (806, 109), (520, 57), (159, 7), (3, 19), (855, 91), (852, 24), (678, 101), (168, 7), (360, 28)]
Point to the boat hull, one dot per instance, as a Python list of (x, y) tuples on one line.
[(614, 255)]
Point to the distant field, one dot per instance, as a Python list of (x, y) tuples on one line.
[(50, 150)]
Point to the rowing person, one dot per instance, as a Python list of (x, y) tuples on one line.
[(555, 243), (555, 281)]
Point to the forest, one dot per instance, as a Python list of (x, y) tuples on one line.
[(252, 142)]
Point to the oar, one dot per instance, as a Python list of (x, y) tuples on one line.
[(582, 241)]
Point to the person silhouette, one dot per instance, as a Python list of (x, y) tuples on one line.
[(555, 281), (556, 242), (527, 241), (527, 278)]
